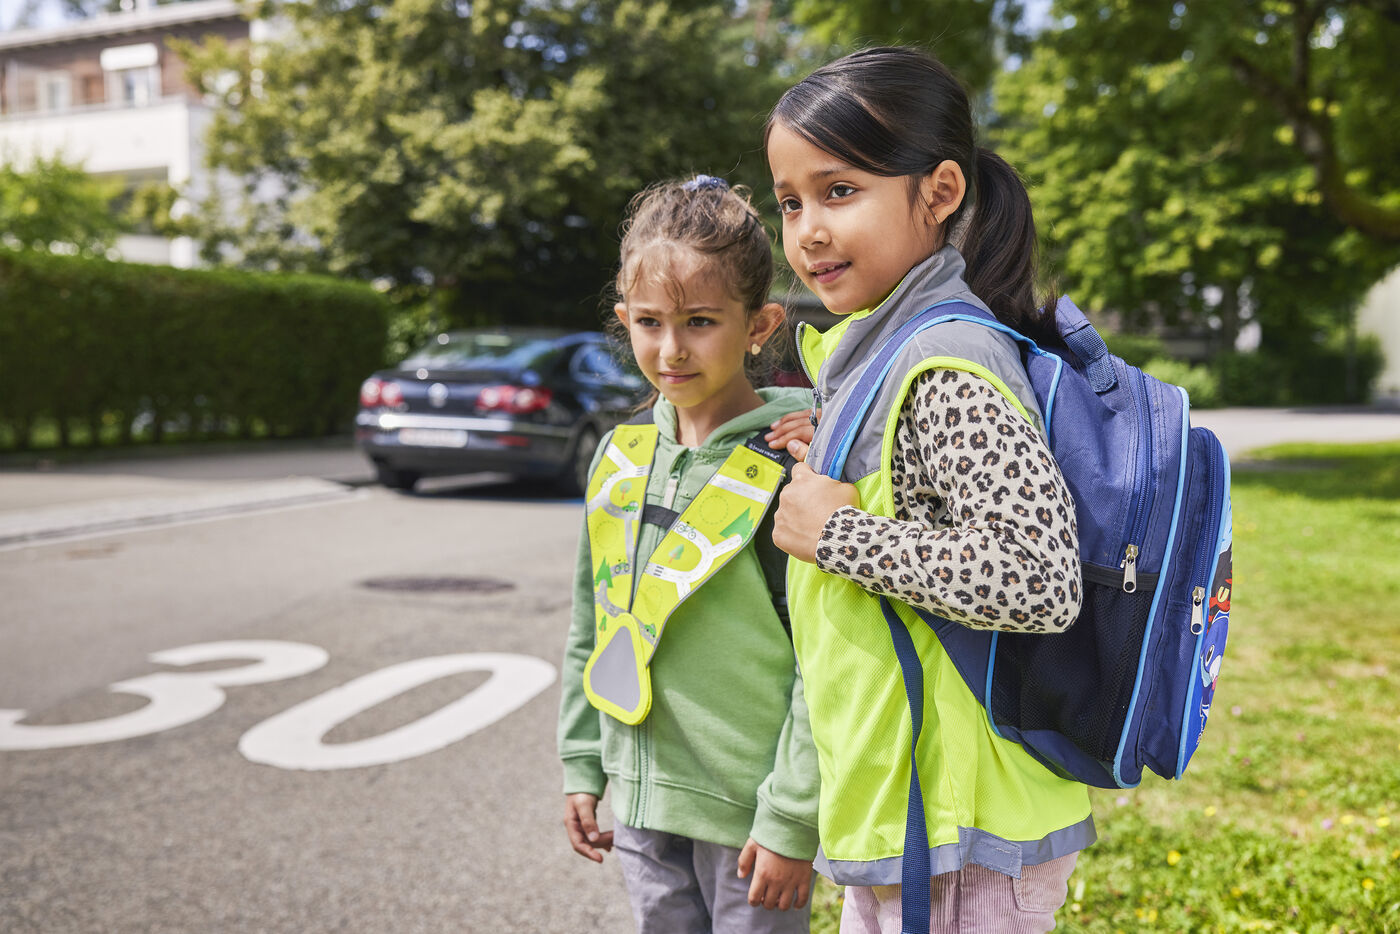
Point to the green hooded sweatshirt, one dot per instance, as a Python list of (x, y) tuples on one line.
[(726, 752)]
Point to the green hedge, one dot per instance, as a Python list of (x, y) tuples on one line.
[(210, 352)]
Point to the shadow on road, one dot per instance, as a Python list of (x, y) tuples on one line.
[(493, 487)]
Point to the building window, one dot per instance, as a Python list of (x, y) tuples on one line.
[(133, 74), (133, 86), (55, 91)]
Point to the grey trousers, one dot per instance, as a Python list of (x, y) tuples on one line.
[(682, 886)]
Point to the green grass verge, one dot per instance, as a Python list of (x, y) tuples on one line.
[(1288, 818)]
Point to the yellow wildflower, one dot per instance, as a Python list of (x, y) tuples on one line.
[(1209, 811), (1368, 884), (1173, 857), (1382, 822), (1347, 819)]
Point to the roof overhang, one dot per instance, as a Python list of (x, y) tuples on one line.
[(122, 24)]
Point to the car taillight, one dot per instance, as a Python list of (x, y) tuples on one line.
[(370, 391), (514, 400), (390, 394)]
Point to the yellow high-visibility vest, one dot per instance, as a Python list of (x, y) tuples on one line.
[(714, 528)]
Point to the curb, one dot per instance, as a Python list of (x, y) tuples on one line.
[(44, 525)]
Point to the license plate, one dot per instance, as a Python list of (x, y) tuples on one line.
[(433, 437)]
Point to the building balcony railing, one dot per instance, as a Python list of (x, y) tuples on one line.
[(59, 113)]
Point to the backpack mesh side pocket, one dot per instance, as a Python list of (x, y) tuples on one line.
[(1079, 682)]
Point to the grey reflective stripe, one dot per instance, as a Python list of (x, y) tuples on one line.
[(963, 340), (614, 675), (973, 846)]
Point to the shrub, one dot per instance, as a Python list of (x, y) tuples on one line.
[(1326, 373), (1135, 349), (1198, 381), (215, 350)]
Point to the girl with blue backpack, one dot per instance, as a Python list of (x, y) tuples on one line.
[(948, 501)]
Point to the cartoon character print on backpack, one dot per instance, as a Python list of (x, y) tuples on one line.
[(1202, 691), (984, 466)]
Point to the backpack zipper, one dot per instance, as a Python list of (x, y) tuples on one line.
[(1141, 488), (1208, 548)]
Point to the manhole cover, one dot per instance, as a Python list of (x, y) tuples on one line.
[(438, 584)]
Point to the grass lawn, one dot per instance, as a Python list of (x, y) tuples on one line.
[(1288, 818)]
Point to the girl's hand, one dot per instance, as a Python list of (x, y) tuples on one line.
[(794, 426), (805, 505), (581, 821), (778, 882)]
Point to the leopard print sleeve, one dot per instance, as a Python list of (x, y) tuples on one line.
[(983, 529)]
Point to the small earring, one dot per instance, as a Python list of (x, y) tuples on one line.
[(754, 349)]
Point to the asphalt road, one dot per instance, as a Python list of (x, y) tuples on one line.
[(185, 826), (303, 779)]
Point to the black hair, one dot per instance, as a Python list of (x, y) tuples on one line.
[(895, 111)]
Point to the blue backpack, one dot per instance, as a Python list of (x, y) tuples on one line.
[(1130, 683)]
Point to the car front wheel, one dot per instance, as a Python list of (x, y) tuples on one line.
[(574, 480), (397, 479)]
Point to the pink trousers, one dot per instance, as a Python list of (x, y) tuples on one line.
[(975, 900)]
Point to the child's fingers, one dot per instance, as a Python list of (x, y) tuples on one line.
[(797, 449), (588, 823), (804, 891), (579, 842), (746, 859), (581, 824)]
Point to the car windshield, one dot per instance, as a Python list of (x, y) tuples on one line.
[(464, 350)]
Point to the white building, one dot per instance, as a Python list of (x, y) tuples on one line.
[(109, 93), (1380, 315)]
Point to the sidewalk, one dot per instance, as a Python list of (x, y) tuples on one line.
[(1243, 430), (55, 501)]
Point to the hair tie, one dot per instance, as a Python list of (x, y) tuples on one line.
[(706, 183)]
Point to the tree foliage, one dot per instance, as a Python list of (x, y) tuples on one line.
[(972, 37), (482, 153), (1175, 177), (54, 206)]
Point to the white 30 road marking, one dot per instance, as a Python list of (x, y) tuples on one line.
[(292, 739), (176, 697)]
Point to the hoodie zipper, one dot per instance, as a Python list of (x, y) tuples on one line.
[(806, 371)]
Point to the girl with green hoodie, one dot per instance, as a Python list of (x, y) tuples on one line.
[(702, 734)]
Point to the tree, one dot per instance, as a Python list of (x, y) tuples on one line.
[(972, 37), (480, 153), (1174, 184), (54, 206)]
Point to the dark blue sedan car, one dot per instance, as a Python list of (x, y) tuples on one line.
[(525, 401)]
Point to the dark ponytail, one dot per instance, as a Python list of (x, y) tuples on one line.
[(896, 111), (1002, 251)]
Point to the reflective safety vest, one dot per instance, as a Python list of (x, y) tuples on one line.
[(714, 528)]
